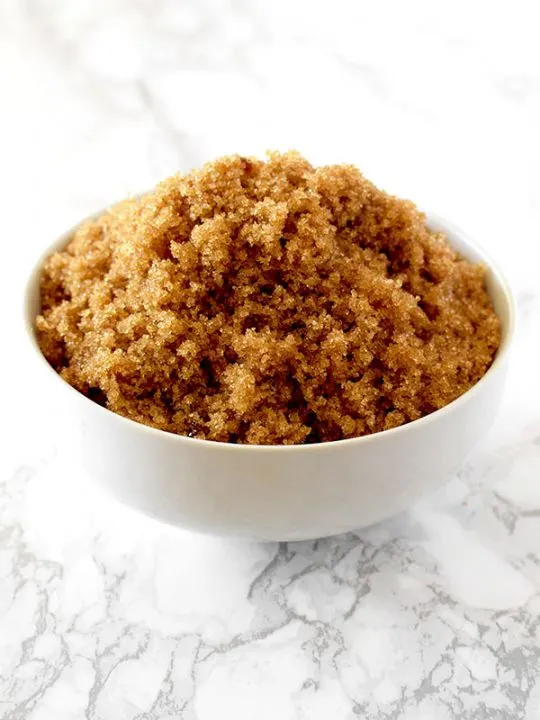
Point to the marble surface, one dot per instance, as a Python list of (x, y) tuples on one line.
[(433, 615)]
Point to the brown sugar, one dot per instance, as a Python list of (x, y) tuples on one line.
[(268, 303)]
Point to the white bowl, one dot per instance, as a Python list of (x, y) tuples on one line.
[(278, 492)]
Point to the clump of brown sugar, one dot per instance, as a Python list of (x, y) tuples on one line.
[(266, 302)]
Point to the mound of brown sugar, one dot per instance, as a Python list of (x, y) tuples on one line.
[(266, 302)]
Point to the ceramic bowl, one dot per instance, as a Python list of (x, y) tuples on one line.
[(276, 492)]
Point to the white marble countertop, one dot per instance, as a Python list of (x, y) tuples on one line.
[(433, 615)]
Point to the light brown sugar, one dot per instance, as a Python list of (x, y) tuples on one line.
[(266, 302)]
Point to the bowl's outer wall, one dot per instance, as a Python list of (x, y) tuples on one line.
[(272, 495), (277, 493)]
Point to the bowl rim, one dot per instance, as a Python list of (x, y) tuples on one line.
[(442, 225)]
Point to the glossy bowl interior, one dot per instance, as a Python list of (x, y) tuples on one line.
[(275, 492)]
